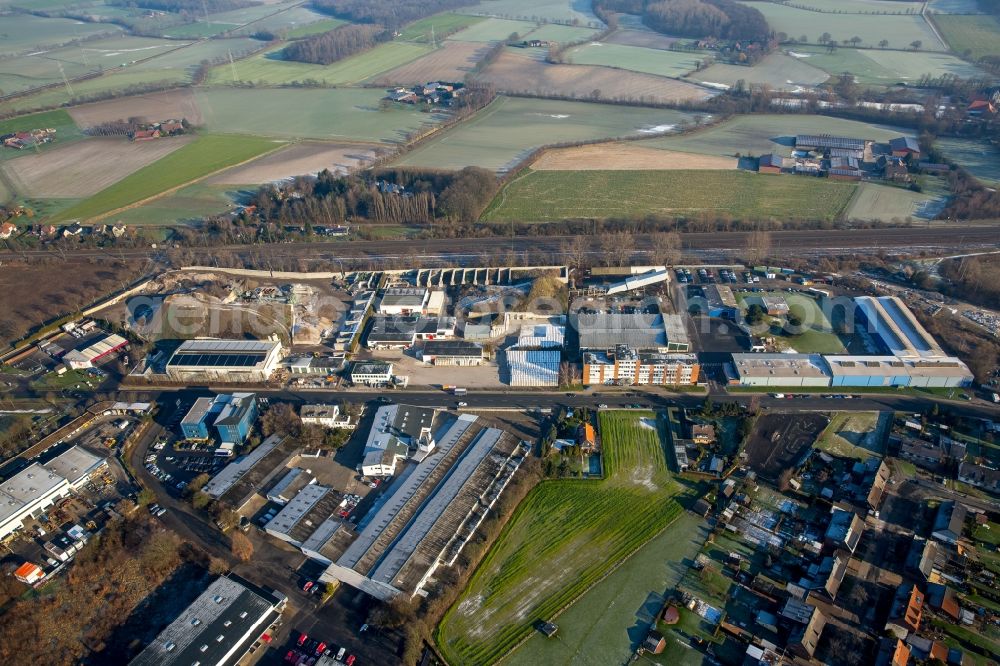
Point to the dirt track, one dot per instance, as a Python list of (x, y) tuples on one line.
[(626, 157)]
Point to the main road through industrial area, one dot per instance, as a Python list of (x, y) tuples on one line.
[(934, 238)]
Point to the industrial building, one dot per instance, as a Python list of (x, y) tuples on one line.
[(781, 370), (34, 489), (944, 372), (398, 432), (219, 627), (326, 416), (431, 511), (627, 367), (888, 319), (452, 352), (371, 373), (86, 357), (229, 475), (637, 330), (289, 485), (232, 416), (635, 282), (226, 361), (400, 331), (403, 301), (316, 365), (533, 367), (303, 513), (541, 336)]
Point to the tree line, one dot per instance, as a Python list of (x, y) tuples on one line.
[(393, 14), (336, 44), (191, 6), (722, 19)]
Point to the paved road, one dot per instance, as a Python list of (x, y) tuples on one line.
[(716, 246)]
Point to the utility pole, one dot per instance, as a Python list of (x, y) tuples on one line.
[(232, 65), (69, 88)]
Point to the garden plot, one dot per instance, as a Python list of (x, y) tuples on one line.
[(305, 158), (779, 441), (509, 129), (519, 71), (899, 31), (637, 59), (451, 62), (562, 539), (83, 168), (779, 71)]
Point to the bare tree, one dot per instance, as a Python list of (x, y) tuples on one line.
[(665, 247), (617, 248), (574, 250), (758, 246), (241, 546)]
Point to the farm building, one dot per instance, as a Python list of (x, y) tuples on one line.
[(826, 142), (219, 627), (397, 433), (626, 366), (452, 352), (640, 331), (229, 361), (371, 373), (87, 356), (533, 367), (905, 146), (432, 512), (772, 163)]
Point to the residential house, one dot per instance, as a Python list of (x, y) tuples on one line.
[(72, 230), (47, 231), (703, 433), (805, 636), (7, 229), (892, 652), (893, 168), (943, 599), (119, 229), (949, 522), (586, 436), (979, 476), (145, 135), (655, 642), (907, 611), (980, 108), (845, 530), (877, 491)]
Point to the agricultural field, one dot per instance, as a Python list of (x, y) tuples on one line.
[(644, 38), (508, 130), (296, 18), (493, 30), (979, 35), (269, 68), (900, 31), (181, 103), (953, 6), (637, 59), (197, 30), (861, 6), (547, 196), (817, 336), (341, 114), (521, 71), (314, 28), (213, 50), (451, 62), (884, 67), (977, 157), (886, 203), (442, 25), (779, 71), (552, 32), (306, 157), (188, 205), (25, 33), (551, 11), (200, 158), (759, 134), (626, 156), (84, 168), (563, 538)]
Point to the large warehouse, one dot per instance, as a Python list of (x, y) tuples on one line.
[(86, 357), (218, 628), (228, 361), (640, 331), (430, 513), (790, 370), (888, 318)]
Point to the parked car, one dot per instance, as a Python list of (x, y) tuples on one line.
[(160, 512), (302, 639), (308, 586)]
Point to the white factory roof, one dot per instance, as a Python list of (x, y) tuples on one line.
[(74, 464), (533, 368), (232, 472), (546, 336), (890, 319), (639, 281), (28, 486), (780, 365), (607, 329), (298, 507), (858, 366)]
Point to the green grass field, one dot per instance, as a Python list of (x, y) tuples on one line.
[(547, 196), (316, 113), (758, 134), (637, 58), (20, 33), (198, 30), (979, 35), (493, 29), (860, 6), (885, 67), (979, 158), (269, 69), (294, 18), (314, 28), (854, 435), (816, 336), (552, 32), (185, 206), (776, 70), (562, 538), (900, 31), (60, 121), (441, 24), (886, 202), (196, 160), (539, 10), (504, 133)]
